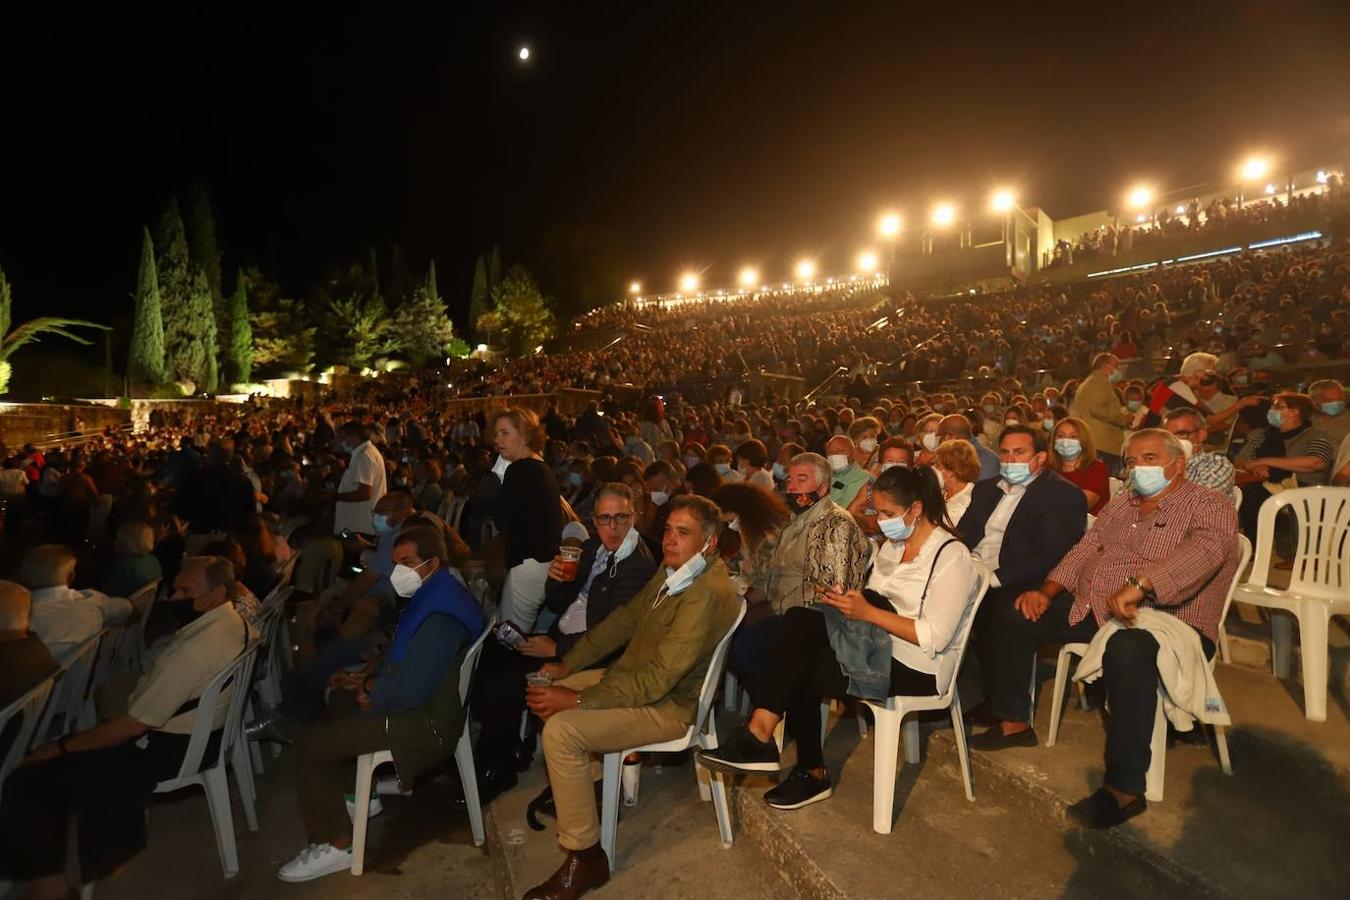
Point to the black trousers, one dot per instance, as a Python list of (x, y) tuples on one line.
[(801, 668), (105, 790), (1129, 672), (499, 702)]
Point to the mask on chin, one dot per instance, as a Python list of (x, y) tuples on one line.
[(679, 580)]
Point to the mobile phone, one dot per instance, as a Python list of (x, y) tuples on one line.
[(509, 635), (346, 534)]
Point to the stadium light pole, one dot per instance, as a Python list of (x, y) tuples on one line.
[(1253, 169), (889, 227)]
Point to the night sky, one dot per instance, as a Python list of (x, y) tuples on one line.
[(639, 140)]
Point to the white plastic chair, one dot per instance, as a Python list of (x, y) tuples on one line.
[(1158, 743), (889, 717), (367, 763), (694, 736), (210, 774), (71, 695), (29, 707), (1319, 583), (1115, 485), (142, 604), (1237, 504)]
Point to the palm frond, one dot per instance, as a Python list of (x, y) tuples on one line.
[(32, 331)]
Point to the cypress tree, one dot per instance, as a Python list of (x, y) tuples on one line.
[(240, 345), (175, 285), (494, 271), (203, 313), (202, 247), (146, 359), (478, 294)]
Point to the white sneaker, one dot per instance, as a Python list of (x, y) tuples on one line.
[(316, 861), (376, 807)]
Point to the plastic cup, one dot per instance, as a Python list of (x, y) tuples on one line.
[(537, 679), (569, 559)]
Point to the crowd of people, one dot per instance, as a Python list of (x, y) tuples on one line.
[(622, 542)]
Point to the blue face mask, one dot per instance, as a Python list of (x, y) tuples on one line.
[(1069, 448), (1274, 418), (1048, 424), (1133, 405), (381, 524), (574, 479), (895, 529), (1149, 481), (1015, 472), (1335, 408), (779, 472), (1114, 376), (723, 469)]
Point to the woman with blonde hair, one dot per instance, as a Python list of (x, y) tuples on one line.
[(529, 513), (1073, 455)]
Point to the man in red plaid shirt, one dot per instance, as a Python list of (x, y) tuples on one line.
[(1165, 543)]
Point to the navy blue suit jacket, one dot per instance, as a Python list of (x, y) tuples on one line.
[(1048, 521)]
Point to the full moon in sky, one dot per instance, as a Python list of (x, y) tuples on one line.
[(524, 53)]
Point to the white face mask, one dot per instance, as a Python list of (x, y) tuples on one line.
[(659, 497), (678, 580), (405, 579), (735, 525), (868, 445), (838, 462), (931, 440), (1186, 446), (887, 466)]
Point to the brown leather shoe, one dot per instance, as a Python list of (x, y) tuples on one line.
[(580, 871)]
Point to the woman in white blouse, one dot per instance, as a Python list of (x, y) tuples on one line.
[(958, 468), (894, 638)]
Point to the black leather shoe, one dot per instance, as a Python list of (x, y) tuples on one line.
[(492, 783), (267, 730), (1103, 810), (581, 871), (995, 739)]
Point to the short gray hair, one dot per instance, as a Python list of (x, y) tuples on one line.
[(822, 465), (615, 489), (1174, 448), (1186, 412), (1323, 384), (46, 565), (1198, 362), (218, 572), (134, 537)]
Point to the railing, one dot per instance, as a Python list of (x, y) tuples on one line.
[(819, 389)]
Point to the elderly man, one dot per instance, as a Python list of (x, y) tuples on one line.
[(102, 777), (847, 471), (63, 617), (363, 482), (1331, 418), (958, 428), (1098, 404), (1165, 544), (1203, 467), (614, 566), (24, 659), (649, 694)]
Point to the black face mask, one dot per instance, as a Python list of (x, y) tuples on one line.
[(185, 612), (800, 501)]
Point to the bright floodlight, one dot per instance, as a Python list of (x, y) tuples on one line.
[(867, 261), (806, 270), (524, 53), (1180, 210), (1270, 189), (1321, 177), (1140, 196), (889, 226), (944, 214), (1141, 218), (635, 287), (1255, 168), (1002, 201), (749, 278), (688, 282)]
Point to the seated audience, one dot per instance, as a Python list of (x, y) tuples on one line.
[(957, 468), (405, 701), (916, 598), (957, 427), (1179, 562), (1203, 466), (135, 564), (751, 459), (102, 777), (63, 617), (25, 660), (848, 473), (649, 694), (893, 452), (1290, 451)]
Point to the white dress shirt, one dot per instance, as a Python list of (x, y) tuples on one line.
[(365, 467), (64, 618), (989, 547), (958, 503)]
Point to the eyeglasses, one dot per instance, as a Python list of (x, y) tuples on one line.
[(1186, 434), (617, 519)]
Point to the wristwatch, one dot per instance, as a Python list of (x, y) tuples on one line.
[(578, 699), (1149, 594)]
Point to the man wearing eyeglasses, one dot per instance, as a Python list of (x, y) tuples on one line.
[(614, 566), (1203, 467)]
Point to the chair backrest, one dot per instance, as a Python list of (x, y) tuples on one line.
[(273, 612), (951, 663), (142, 602), (287, 572), (713, 676), (468, 666), (72, 689), (1237, 497), (234, 677), (1244, 557), (456, 512), (1116, 485), (1322, 558), (28, 709), (1091, 520)]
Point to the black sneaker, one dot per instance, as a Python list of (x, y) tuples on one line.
[(742, 752), (799, 789)]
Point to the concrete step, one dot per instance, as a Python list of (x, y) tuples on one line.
[(1274, 829), (668, 845)]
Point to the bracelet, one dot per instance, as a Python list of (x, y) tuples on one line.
[(578, 699)]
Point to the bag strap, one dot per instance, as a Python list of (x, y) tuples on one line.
[(932, 569)]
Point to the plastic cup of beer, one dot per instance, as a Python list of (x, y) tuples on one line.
[(569, 558), (537, 679)]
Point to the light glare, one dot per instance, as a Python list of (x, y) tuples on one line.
[(889, 226), (688, 282), (1141, 195), (635, 287), (806, 270), (749, 277), (944, 214), (524, 54), (867, 261), (1002, 201), (1255, 168)]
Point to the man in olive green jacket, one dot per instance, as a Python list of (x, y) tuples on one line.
[(649, 694)]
